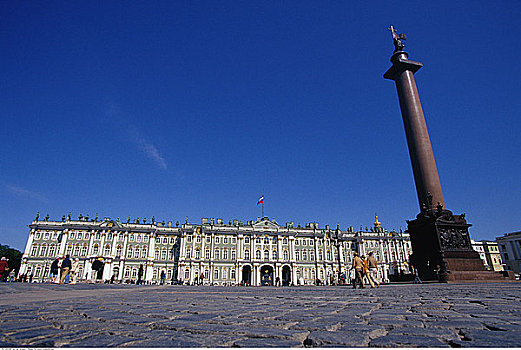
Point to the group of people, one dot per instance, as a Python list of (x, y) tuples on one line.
[(365, 268), (64, 270)]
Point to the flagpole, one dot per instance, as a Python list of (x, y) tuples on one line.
[(263, 209)]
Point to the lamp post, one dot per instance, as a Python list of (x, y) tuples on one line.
[(337, 244)]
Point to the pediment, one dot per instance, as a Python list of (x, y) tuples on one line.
[(111, 224), (266, 224)]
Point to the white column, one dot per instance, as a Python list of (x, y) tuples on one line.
[(61, 249)]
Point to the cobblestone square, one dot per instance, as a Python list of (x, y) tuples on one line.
[(400, 315)]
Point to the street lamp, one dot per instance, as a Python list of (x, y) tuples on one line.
[(337, 244)]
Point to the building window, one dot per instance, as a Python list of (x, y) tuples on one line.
[(266, 240), (43, 250), (232, 274), (208, 239), (165, 240), (171, 254), (311, 255), (107, 250), (71, 235), (247, 239), (257, 240), (79, 235), (76, 251), (136, 253), (216, 274), (84, 250), (189, 239), (225, 273), (37, 236), (216, 253), (207, 253), (234, 255), (197, 254), (234, 240), (225, 239), (129, 251), (304, 255), (109, 236), (304, 241), (198, 239), (297, 254), (144, 253), (247, 254), (98, 235), (163, 254), (145, 238), (95, 249), (217, 239), (118, 250), (285, 241), (320, 255), (225, 254), (258, 254), (172, 240), (275, 257), (285, 255), (187, 274), (46, 236), (156, 254), (138, 238), (52, 249), (266, 255)]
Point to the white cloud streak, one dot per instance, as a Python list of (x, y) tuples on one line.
[(25, 193), (151, 152)]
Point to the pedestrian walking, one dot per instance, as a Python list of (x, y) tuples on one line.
[(74, 270), (417, 279), (365, 271), (54, 270), (140, 274), (4, 269), (163, 276), (373, 269), (358, 264), (66, 267)]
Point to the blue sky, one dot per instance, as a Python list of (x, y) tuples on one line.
[(194, 109)]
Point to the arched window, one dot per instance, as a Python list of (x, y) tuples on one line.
[(129, 251), (285, 255), (247, 239), (127, 272), (247, 254), (304, 255), (198, 252), (188, 253), (69, 249), (233, 274), (156, 254), (43, 250), (225, 273), (297, 254), (258, 254), (84, 250), (134, 273), (311, 255), (170, 254), (52, 250), (320, 255), (207, 253), (95, 249), (275, 257), (187, 273), (216, 253), (107, 250), (216, 274), (76, 250), (118, 250), (266, 240), (225, 254), (328, 255), (136, 253), (257, 240), (38, 271), (234, 254), (144, 252), (34, 249), (266, 255), (285, 241)]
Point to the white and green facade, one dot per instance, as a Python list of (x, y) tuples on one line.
[(259, 252)]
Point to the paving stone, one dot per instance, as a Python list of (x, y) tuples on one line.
[(475, 338), (398, 340), (349, 339), (266, 343)]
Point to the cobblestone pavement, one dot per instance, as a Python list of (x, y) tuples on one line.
[(432, 315)]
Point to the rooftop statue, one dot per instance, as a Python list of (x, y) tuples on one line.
[(397, 39)]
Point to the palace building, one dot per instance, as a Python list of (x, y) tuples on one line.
[(260, 252)]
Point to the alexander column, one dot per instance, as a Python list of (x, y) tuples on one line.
[(440, 240)]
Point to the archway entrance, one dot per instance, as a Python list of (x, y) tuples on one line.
[(286, 275), (266, 275), (246, 275), (97, 269)]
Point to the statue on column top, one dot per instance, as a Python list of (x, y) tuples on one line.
[(397, 39)]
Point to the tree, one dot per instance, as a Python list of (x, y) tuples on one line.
[(13, 256)]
